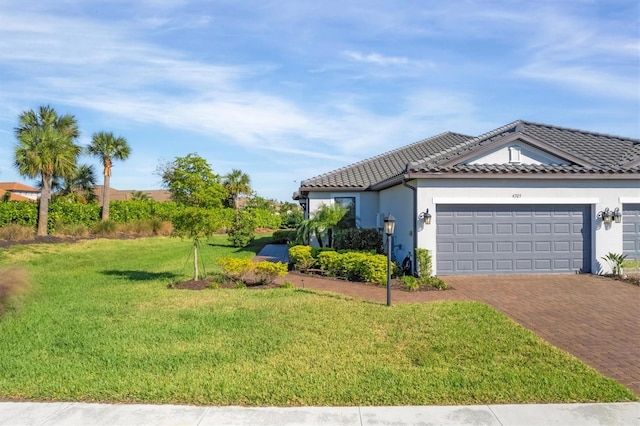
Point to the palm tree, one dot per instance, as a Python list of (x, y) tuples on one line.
[(46, 148), (322, 224), (78, 186), (139, 196), (236, 183), (107, 148)]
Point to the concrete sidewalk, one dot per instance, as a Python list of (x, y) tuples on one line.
[(75, 413)]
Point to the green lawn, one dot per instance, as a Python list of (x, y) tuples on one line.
[(101, 325)]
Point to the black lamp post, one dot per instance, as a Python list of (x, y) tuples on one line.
[(389, 227)]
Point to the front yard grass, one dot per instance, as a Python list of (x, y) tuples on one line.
[(101, 325)]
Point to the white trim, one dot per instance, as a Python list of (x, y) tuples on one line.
[(466, 200), (629, 200)]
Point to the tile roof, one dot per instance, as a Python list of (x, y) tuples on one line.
[(14, 196), (598, 153), (364, 174), (18, 187), (607, 153)]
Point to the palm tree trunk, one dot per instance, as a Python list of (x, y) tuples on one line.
[(105, 197), (43, 206)]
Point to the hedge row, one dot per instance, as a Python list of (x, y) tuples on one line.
[(350, 265), (65, 213)]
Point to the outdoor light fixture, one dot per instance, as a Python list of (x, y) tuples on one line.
[(617, 216), (426, 216), (607, 216), (389, 228)]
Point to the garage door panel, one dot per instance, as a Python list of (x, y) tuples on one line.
[(464, 229), (512, 238), (484, 247), (484, 229), (542, 247)]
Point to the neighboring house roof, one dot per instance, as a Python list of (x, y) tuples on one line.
[(18, 187), (585, 154), (362, 175), (125, 194), (14, 196)]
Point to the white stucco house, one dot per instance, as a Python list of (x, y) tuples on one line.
[(523, 198)]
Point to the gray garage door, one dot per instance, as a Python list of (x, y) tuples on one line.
[(631, 230), (513, 239)]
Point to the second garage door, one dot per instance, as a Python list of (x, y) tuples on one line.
[(513, 239)]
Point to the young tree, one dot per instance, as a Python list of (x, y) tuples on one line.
[(46, 148), (192, 182), (236, 183), (107, 147), (196, 223)]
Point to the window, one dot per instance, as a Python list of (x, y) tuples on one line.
[(514, 154), (349, 219)]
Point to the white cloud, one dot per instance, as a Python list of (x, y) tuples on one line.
[(376, 58)]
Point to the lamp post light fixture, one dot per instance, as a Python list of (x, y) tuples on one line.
[(389, 228)]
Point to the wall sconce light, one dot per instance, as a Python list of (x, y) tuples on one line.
[(607, 216), (617, 216), (426, 216)]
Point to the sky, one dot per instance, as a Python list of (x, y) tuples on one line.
[(289, 89)]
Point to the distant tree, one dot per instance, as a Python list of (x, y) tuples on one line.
[(191, 182), (292, 215), (46, 148), (77, 186), (107, 147), (139, 196), (6, 197), (236, 183)]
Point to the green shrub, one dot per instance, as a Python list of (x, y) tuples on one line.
[(358, 239), (15, 232), (267, 271), (435, 282), (331, 263), (265, 218), (315, 251), (19, 213), (354, 266), (284, 236), (234, 269), (242, 229), (300, 257), (287, 284), (410, 282), (425, 267)]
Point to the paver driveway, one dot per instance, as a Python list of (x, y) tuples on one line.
[(594, 318)]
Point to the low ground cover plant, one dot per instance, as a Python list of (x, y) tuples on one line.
[(245, 271), (101, 325)]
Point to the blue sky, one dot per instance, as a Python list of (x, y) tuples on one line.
[(286, 90)]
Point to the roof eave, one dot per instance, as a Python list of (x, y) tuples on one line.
[(539, 175)]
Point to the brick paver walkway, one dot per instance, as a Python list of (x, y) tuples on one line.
[(594, 318)]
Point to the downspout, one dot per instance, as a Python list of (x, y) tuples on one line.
[(415, 221)]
